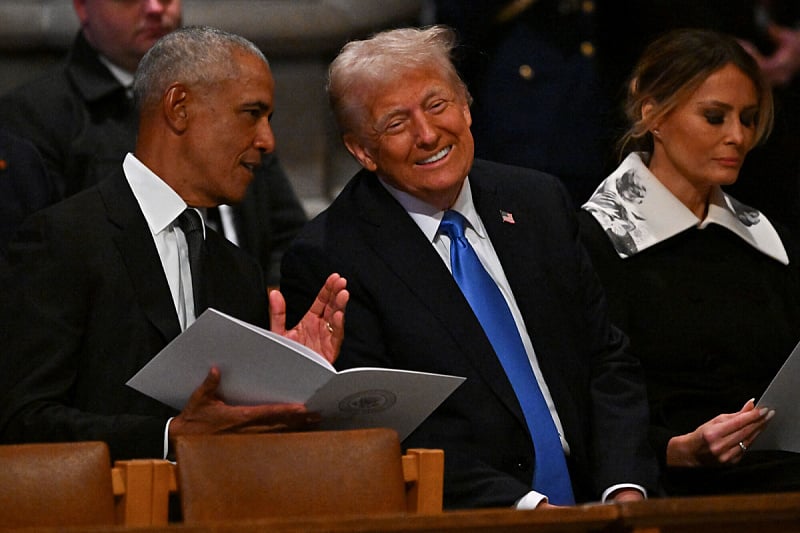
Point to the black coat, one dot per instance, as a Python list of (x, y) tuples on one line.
[(711, 320), (25, 185), (84, 304)]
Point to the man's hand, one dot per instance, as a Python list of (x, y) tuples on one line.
[(322, 327), (545, 505), (626, 495), (206, 412), (717, 441)]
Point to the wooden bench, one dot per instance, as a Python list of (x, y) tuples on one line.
[(142, 487)]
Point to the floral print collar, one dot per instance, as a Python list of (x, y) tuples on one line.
[(637, 211)]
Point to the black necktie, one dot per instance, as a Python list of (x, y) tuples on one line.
[(192, 225)]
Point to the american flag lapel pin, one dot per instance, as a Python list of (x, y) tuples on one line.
[(506, 217)]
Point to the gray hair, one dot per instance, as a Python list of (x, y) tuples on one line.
[(364, 65), (194, 55)]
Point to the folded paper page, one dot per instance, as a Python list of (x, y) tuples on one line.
[(258, 366)]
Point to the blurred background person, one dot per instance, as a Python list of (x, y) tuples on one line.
[(706, 287), (25, 185), (548, 75), (540, 98)]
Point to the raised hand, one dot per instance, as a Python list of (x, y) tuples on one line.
[(322, 327)]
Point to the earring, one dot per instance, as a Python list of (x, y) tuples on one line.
[(656, 132)]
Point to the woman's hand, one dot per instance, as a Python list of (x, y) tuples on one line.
[(717, 442)]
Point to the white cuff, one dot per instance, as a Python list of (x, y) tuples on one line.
[(166, 438), (530, 501), (614, 488)]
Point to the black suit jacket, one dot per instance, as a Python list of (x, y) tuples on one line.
[(406, 311), (84, 304), (82, 122)]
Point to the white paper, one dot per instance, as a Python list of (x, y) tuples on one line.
[(783, 431), (258, 366)]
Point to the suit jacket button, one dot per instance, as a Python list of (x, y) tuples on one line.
[(526, 72)]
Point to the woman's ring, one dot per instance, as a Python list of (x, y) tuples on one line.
[(330, 328), (742, 446)]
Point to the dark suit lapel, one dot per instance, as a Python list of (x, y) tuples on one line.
[(135, 245), (523, 262), (409, 255), (512, 241)]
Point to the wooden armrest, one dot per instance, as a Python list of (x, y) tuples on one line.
[(423, 471), (141, 489)]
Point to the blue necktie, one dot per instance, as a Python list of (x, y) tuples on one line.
[(551, 476)]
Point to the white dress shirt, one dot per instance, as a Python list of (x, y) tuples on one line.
[(161, 206)]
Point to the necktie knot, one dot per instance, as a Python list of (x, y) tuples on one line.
[(452, 225), (189, 221)]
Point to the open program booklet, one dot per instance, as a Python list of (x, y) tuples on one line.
[(258, 366), (782, 395)]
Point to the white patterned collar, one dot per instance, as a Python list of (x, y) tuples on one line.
[(637, 211)]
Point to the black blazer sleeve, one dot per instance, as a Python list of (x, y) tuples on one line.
[(84, 304)]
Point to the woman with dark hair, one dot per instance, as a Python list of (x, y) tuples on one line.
[(707, 289)]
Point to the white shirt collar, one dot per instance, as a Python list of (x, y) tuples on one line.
[(124, 77), (637, 211), (428, 217), (159, 203)]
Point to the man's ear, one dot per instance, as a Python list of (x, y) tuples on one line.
[(175, 105), (467, 115), (359, 152), (80, 10)]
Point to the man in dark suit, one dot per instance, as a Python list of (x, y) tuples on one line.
[(404, 115), (99, 283), (80, 115)]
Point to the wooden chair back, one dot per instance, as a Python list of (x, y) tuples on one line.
[(240, 477), (63, 484)]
